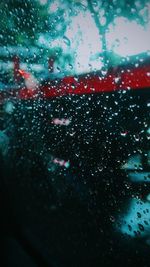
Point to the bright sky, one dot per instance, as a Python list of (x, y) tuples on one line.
[(128, 38), (85, 41), (82, 39)]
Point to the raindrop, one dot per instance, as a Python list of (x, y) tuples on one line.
[(129, 227), (139, 215), (70, 66), (117, 79), (124, 134), (66, 40), (112, 219), (141, 227), (136, 137)]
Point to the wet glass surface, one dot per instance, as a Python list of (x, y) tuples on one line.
[(75, 133)]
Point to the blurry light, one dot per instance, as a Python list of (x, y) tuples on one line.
[(43, 2), (135, 218), (148, 130), (133, 163), (9, 107), (148, 197), (62, 162), (58, 121), (53, 7)]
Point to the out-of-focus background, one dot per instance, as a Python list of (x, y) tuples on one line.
[(75, 133), (80, 36)]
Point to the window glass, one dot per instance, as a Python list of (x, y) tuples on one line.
[(75, 132)]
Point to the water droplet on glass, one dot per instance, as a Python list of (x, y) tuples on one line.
[(66, 40), (124, 134)]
